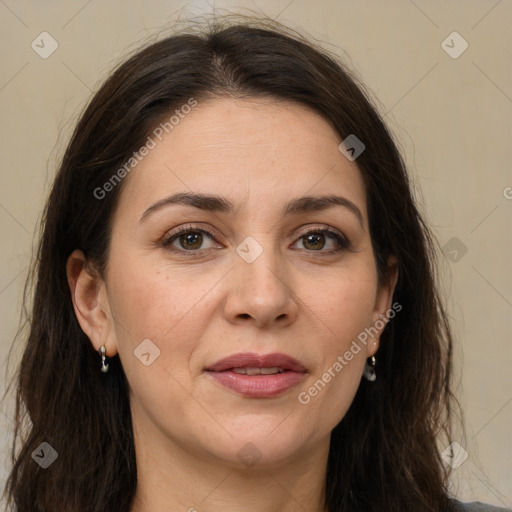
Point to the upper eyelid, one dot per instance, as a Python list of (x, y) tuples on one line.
[(323, 227)]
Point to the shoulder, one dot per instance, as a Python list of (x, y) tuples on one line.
[(477, 506)]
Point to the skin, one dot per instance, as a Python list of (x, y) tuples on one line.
[(294, 298)]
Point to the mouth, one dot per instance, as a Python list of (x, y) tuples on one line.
[(258, 371), (257, 376)]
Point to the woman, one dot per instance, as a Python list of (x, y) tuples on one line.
[(236, 302)]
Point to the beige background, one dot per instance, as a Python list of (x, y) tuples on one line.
[(452, 117)]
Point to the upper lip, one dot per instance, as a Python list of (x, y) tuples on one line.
[(251, 360)]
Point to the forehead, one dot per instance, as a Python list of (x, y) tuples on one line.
[(269, 149)]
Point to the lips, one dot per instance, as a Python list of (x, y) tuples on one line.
[(250, 360), (257, 376)]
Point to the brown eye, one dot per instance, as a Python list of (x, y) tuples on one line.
[(191, 240), (187, 240), (315, 241)]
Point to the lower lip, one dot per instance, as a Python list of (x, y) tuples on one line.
[(259, 386)]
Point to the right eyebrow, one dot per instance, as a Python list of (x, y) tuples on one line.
[(205, 202)]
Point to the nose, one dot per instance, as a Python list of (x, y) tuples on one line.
[(260, 292)]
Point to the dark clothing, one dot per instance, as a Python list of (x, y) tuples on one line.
[(477, 506)]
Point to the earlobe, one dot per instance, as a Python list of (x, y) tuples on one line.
[(89, 301)]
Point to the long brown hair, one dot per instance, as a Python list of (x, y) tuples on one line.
[(383, 454)]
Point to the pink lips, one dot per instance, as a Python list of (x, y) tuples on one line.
[(260, 386)]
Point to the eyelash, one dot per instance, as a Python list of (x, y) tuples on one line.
[(342, 242)]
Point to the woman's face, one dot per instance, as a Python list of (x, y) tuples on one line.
[(248, 278)]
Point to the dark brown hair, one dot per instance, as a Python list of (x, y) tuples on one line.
[(383, 454)]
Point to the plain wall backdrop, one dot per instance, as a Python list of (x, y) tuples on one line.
[(448, 105)]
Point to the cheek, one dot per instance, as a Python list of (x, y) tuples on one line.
[(149, 304), (344, 305), (343, 310), (151, 300), (170, 308)]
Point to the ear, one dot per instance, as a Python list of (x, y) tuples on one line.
[(90, 302), (383, 306)]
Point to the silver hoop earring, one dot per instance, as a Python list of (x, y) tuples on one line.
[(369, 370), (104, 366)]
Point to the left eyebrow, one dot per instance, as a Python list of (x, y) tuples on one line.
[(319, 203), (213, 203)]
